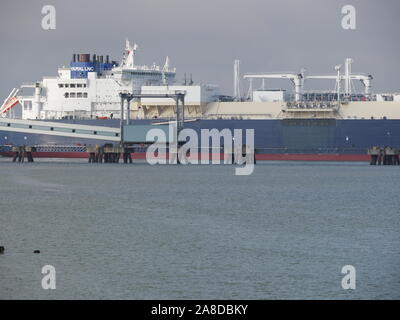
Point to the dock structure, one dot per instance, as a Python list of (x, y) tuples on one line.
[(137, 134), (109, 154), (22, 152), (177, 96), (124, 138), (384, 156)]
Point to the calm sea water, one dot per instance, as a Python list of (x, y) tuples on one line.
[(199, 232)]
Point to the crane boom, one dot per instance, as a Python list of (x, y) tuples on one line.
[(365, 79), (295, 78)]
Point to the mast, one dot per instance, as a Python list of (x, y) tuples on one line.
[(129, 54), (347, 77), (236, 80)]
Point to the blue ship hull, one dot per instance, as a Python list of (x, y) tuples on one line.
[(288, 136)]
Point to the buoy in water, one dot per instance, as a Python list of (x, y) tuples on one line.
[(36, 251)]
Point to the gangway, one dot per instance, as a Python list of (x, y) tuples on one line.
[(60, 129), (88, 131)]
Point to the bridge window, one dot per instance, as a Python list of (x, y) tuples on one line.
[(79, 95), (79, 85), (85, 94), (72, 85), (66, 95), (72, 95), (66, 85), (27, 105), (60, 85)]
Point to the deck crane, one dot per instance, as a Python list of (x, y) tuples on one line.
[(297, 80), (365, 80), (347, 77)]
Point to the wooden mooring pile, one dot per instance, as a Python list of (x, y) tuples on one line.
[(384, 156)]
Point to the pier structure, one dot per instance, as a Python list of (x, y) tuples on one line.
[(109, 154), (137, 134), (177, 96), (22, 152), (384, 156)]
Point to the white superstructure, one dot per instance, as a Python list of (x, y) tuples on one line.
[(89, 88)]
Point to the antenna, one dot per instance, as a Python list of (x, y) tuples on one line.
[(191, 80)]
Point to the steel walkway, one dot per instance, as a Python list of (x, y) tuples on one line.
[(61, 129)]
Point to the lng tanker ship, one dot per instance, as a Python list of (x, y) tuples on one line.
[(340, 124)]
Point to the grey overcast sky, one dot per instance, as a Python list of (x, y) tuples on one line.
[(204, 37)]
